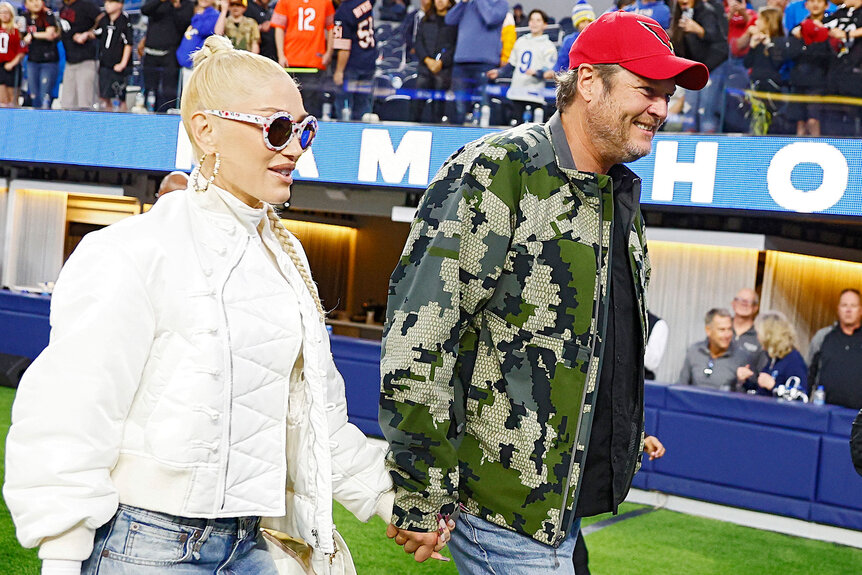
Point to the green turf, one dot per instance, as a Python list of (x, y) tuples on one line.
[(658, 543)]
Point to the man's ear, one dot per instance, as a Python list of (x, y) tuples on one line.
[(588, 81), (202, 132)]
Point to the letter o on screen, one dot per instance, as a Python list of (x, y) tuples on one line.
[(832, 188)]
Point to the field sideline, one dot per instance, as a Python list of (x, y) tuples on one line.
[(658, 543)]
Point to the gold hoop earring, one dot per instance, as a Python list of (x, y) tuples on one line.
[(197, 172)]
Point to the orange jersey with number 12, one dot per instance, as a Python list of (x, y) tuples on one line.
[(305, 24)]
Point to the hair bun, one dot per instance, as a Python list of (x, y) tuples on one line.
[(213, 45)]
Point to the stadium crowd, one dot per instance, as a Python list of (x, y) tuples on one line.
[(784, 68)]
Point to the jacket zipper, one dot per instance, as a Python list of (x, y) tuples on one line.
[(561, 533)]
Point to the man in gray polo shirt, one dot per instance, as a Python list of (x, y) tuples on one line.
[(715, 361)]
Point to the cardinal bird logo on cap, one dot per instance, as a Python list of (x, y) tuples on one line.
[(657, 31)]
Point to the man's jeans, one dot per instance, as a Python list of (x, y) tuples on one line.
[(482, 548), (468, 82), (140, 542)]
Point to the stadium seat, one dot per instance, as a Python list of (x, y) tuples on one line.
[(395, 108)]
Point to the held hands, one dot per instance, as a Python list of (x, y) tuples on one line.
[(423, 545)]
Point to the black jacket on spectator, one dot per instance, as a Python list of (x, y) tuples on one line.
[(260, 14), (811, 64), (435, 39), (165, 23), (845, 74), (765, 63), (838, 368), (79, 16), (856, 443), (710, 50)]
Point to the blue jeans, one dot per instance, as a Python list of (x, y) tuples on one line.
[(41, 77), (480, 547), (468, 82), (140, 542), (357, 93)]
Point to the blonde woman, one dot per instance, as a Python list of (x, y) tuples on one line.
[(778, 338), (188, 389)]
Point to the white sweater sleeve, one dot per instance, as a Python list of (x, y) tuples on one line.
[(69, 410), (656, 345)]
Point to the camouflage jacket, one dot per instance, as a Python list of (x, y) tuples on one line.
[(493, 340)]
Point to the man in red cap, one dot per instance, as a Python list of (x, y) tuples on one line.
[(512, 365)]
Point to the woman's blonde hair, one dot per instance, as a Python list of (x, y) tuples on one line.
[(776, 333), (12, 11), (221, 70), (772, 17)]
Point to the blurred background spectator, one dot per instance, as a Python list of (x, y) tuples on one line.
[(411, 27), (77, 18), (765, 60), (533, 55), (43, 55), (745, 305), (11, 54), (477, 50), (519, 16), (205, 22), (166, 22), (303, 39), (778, 339), (393, 10), (243, 31), (356, 56), (435, 51), (699, 32), (658, 10), (115, 38), (261, 12), (716, 361), (811, 54), (835, 354), (656, 344), (582, 14)]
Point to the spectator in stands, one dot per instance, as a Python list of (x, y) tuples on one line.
[(698, 33), (812, 55), (166, 21), (835, 354), (533, 55), (167, 391), (745, 306), (845, 73), (114, 34), (303, 39), (778, 338), (43, 55), (765, 59), (11, 54), (656, 344), (393, 10), (411, 27), (477, 50), (260, 12), (519, 16), (716, 361), (797, 11), (242, 31), (82, 55), (656, 9), (356, 56), (435, 50), (206, 21), (508, 37), (172, 182), (582, 14)]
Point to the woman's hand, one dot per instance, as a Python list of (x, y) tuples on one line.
[(691, 27), (653, 447), (423, 545), (766, 381)]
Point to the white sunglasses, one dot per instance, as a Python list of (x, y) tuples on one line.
[(279, 129)]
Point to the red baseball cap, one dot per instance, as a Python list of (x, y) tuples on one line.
[(640, 45)]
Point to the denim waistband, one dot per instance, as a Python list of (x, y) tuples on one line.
[(217, 524)]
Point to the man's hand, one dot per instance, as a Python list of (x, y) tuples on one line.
[(338, 78), (744, 372), (264, 28), (326, 59), (282, 61), (653, 447), (493, 73), (118, 68), (80, 37)]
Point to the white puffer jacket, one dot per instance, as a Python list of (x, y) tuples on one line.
[(132, 400)]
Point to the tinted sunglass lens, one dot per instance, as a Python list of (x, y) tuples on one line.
[(306, 137), (279, 132)]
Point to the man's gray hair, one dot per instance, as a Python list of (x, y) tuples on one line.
[(715, 312), (567, 83)]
